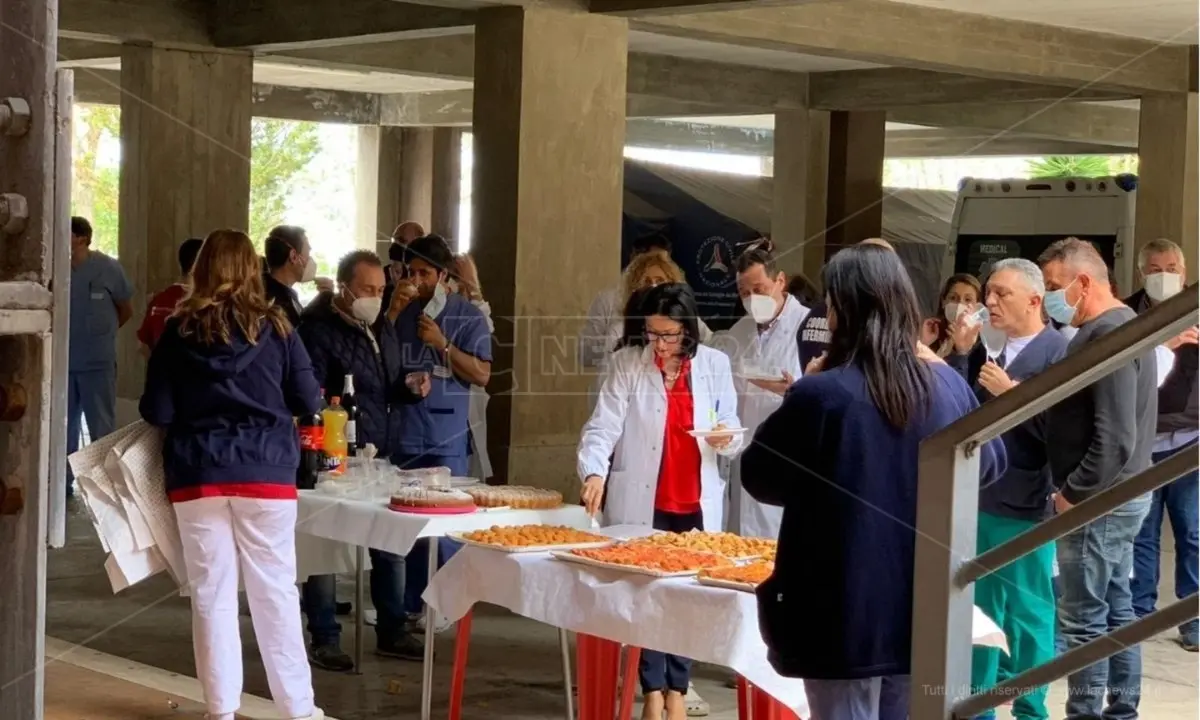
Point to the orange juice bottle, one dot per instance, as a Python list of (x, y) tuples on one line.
[(334, 418)]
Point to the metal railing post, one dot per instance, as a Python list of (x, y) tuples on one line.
[(947, 516)]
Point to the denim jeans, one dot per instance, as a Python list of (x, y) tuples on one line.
[(1094, 564), (416, 570), (1179, 500), (318, 594), (387, 595), (876, 698)]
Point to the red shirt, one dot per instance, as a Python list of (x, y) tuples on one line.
[(679, 474), (161, 307)]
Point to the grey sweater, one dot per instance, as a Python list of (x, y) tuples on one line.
[(1104, 433)]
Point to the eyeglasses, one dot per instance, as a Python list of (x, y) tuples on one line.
[(669, 338)]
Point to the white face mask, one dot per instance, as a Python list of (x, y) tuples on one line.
[(310, 271), (437, 303), (760, 307), (951, 311), (366, 309), (1163, 285)]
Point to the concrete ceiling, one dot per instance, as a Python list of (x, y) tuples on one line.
[(1170, 21), (761, 122), (291, 75), (738, 54)]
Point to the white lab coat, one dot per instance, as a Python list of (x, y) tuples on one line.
[(775, 352), (595, 343), (628, 426), (477, 402)]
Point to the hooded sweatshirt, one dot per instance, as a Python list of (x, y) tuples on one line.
[(227, 410)]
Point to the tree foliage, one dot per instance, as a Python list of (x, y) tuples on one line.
[(1063, 166), (280, 151)]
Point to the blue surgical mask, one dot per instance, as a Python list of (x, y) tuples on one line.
[(1057, 306)]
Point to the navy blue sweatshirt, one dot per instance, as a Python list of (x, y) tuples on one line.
[(228, 411), (1024, 491), (839, 605)]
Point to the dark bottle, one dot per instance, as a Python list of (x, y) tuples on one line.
[(350, 405), (312, 448)]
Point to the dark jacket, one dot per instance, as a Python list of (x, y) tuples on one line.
[(1024, 491), (839, 605), (1177, 398), (228, 409), (1104, 433), (340, 346), (812, 337), (284, 298)]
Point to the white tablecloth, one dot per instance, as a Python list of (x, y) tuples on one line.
[(674, 615), (371, 524)]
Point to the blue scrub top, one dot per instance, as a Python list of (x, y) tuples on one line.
[(438, 425), (97, 285)]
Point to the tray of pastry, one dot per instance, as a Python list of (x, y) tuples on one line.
[(531, 538), (728, 544), (643, 559), (745, 578)]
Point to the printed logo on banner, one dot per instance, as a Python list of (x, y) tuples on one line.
[(715, 260)]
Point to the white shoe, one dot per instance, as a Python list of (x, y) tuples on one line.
[(317, 714), (440, 623), (370, 617), (696, 705)]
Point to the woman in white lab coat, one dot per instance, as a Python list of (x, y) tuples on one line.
[(655, 392), (762, 348)]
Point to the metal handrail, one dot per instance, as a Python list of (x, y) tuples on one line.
[(1085, 512), (947, 515), (1080, 657)]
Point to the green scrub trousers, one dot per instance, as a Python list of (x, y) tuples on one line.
[(1020, 598)]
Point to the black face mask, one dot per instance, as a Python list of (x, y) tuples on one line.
[(396, 253)]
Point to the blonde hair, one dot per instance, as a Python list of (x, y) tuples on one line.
[(643, 263), (467, 275), (227, 292)]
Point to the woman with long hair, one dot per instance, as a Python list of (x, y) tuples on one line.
[(225, 381), (961, 295), (840, 457), (657, 390)]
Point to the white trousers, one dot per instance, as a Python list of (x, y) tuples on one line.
[(216, 534)]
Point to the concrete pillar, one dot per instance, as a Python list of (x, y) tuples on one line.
[(446, 177), (387, 185), (854, 207), (367, 233), (548, 135), (416, 176), (185, 168), (801, 170), (1166, 195)]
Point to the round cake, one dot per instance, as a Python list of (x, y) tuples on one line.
[(515, 496), (419, 497)]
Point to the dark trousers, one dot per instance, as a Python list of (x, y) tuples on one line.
[(415, 566), (663, 671), (1178, 501)]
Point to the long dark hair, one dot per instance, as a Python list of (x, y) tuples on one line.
[(675, 301), (877, 321), (633, 327)]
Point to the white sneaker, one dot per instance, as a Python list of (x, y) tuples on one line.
[(370, 617), (440, 624), (317, 714), (696, 705)]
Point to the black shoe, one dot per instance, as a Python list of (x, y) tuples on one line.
[(330, 657), (343, 608), (406, 647)]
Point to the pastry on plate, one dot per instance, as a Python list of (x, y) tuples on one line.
[(751, 574), (518, 536), (515, 496), (654, 557), (421, 497)]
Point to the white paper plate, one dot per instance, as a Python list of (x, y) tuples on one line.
[(723, 432), (632, 569), (530, 548), (727, 584)]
